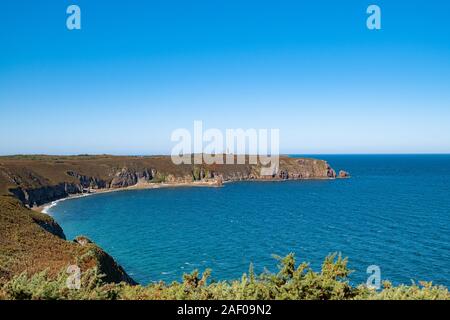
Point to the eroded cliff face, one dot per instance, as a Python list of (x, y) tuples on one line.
[(41, 195), (106, 264), (33, 188), (48, 224), (37, 196)]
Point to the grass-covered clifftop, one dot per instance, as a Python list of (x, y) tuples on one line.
[(31, 241), (39, 179)]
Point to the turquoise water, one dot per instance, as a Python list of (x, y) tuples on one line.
[(394, 212)]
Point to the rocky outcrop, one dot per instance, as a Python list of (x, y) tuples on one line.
[(126, 177), (106, 265), (88, 182), (51, 226), (343, 174), (35, 189), (82, 240), (41, 195), (46, 194)]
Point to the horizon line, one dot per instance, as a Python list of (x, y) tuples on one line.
[(161, 154)]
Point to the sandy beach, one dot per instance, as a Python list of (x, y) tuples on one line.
[(139, 186)]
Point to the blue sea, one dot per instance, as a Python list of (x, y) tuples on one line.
[(394, 212)]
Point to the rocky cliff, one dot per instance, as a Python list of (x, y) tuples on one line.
[(38, 181)]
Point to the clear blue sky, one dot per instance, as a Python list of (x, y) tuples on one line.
[(140, 69)]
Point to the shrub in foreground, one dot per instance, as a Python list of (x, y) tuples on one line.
[(290, 282)]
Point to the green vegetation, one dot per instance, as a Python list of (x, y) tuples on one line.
[(196, 174), (159, 178), (291, 282), (31, 241)]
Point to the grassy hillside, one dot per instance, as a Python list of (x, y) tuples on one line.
[(40, 170), (27, 246)]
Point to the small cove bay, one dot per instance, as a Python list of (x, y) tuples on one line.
[(394, 212)]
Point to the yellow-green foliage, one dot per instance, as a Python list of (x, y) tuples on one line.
[(291, 282)]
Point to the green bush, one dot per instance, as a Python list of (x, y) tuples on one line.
[(290, 282)]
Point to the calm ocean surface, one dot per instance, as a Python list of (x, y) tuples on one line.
[(394, 212)]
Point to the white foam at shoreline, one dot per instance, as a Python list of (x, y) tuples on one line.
[(47, 207)]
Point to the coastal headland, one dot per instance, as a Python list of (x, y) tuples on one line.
[(32, 241)]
